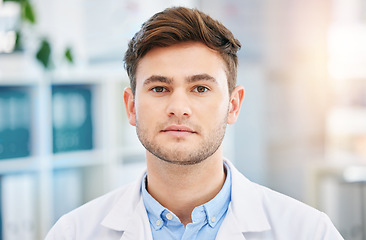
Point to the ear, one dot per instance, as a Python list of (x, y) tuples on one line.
[(130, 106), (236, 100)]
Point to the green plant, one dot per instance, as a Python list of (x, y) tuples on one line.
[(43, 54)]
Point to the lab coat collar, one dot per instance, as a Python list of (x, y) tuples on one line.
[(245, 213), (129, 215)]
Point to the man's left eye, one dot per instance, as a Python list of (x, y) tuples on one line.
[(200, 89)]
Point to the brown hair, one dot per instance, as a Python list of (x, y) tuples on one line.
[(180, 24)]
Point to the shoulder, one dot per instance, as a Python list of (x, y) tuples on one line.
[(285, 216), (90, 215), (272, 202), (278, 204), (288, 214), (277, 200), (100, 206)]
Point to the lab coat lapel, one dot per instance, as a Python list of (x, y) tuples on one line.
[(229, 228), (246, 213), (139, 226), (129, 215)]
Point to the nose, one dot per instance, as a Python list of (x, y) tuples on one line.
[(179, 105)]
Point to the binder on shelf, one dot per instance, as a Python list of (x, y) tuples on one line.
[(18, 207), (15, 122), (72, 118), (67, 191)]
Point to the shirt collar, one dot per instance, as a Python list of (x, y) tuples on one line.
[(246, 212), (154, 208), (214, 210), (217, 207)]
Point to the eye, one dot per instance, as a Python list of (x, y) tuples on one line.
[(159, 89), (200, 89)]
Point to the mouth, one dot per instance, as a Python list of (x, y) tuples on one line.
[(178, 131)]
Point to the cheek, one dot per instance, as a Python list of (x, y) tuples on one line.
[(147, 111), (212, 112)]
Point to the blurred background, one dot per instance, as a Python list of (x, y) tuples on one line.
[(64, 137)]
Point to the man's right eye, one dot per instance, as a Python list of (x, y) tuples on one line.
[(159, 89)]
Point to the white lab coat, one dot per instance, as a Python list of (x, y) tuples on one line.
[(255, 212)]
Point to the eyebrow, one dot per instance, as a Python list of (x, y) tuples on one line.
[(189, 79), (158, 78), (200, 77)]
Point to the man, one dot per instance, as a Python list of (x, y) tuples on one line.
[(182, 67)]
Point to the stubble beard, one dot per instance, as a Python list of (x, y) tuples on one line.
[(175, 155)]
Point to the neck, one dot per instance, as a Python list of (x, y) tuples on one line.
[(181, 188)]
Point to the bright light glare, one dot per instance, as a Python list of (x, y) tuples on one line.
[(7, 41), (9, 9), (355, 174), (9, 13), (347, 121), (347, 52)]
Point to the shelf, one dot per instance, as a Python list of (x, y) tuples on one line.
[(89, 74), (68, 106), (19, 69), (77, 159), (19, 165)]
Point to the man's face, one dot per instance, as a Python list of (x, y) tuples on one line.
[(181, 102)]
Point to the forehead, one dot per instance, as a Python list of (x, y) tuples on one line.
[(181, 60)]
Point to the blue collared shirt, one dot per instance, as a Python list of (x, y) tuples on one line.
[(206, 219)]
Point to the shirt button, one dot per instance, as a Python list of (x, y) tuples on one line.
[(169, 216), (158, 222), (213, 219)]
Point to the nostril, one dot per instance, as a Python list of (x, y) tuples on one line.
[(179, 105)]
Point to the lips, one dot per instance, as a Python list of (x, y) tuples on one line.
[(178, 130)]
